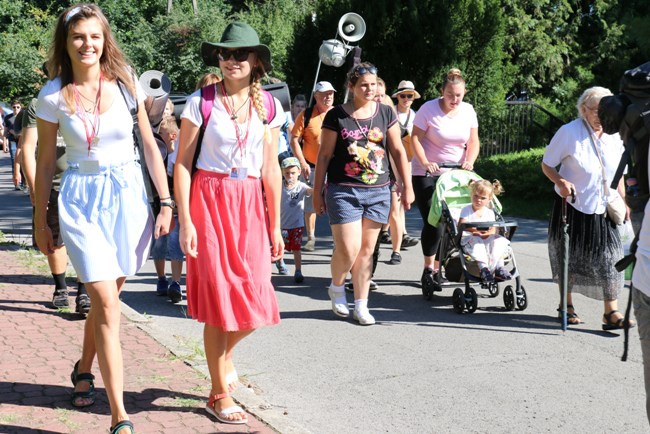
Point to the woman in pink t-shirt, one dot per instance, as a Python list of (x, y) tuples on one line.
[(445, 130)]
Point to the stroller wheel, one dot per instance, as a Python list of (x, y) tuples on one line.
[(458, 300), (471, 300), (509, 298), (493, 288), (522, 298)]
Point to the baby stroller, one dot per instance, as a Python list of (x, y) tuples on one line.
[(452, 194)]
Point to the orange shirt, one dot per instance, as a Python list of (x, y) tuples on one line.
[(310, 136)]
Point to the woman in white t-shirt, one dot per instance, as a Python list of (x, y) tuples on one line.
[(229, 210), (595, 244), (104, 216), (445, 130)]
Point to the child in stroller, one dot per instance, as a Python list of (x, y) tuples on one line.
[(452, 194), (487, 248)]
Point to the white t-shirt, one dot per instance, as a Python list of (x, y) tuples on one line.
[(403, 117), (293, 205), (115, 126), (219, 150), (471, 216), (571, 147), (445, 137)]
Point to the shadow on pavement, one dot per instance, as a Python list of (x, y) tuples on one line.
[(57, 397), (15, 429)]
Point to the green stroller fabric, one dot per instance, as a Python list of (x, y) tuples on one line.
[(453, 188)]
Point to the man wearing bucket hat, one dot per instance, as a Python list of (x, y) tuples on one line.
[(236, 190), (305, 142), (293, 221)]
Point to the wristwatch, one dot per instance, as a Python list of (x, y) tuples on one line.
[(170, 203)]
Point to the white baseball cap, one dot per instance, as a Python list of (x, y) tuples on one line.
[(324, 86)]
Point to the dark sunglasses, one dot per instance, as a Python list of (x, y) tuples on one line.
[(240, 54), (406, 95), (16, 106), (362, 70)]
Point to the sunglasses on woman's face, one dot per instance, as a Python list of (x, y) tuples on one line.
[(240, 54), (362, 70), (406, 95)]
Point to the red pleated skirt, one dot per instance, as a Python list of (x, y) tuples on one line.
[(228, 284)]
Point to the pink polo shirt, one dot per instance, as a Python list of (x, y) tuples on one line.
[(445, 136)]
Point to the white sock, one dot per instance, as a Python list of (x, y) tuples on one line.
[(340, 293), (361, 304), (310, 236)]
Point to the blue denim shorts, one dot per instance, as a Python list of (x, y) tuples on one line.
[(346, 204), (174, 251), (167, 247)]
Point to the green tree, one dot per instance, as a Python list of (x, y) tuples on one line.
[(22, 51)]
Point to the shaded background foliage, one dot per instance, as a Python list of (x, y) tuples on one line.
[(549, 49)]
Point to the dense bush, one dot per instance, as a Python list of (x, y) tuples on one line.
[(528, 192)]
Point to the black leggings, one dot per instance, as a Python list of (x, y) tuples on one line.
[(423, 188)]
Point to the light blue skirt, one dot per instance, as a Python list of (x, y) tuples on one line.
[(106, 222)]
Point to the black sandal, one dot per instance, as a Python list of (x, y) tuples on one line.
[(121, 425), (572, 318), (76, 377), (619, 324), (82, 304)]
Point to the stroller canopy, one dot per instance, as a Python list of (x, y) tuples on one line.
[(453, 188)]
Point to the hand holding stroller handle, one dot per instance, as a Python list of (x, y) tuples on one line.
[(573, 195), (429, 173)]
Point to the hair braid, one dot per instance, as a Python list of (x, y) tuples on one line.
[(258, 102)]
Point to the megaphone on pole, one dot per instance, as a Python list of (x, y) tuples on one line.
[(351, 27), (333, 52)]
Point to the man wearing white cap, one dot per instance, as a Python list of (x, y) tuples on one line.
[(305, 142)]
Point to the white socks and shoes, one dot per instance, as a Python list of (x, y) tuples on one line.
[(339, 301), (361, 312)]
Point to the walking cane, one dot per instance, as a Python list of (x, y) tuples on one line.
[(565, 259)]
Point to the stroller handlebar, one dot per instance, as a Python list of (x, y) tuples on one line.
[(447, 166), (450, 165), (487, 225)]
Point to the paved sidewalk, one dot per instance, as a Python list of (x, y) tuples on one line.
[(39, 346)]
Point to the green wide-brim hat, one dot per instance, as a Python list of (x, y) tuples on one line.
[(237, 35)]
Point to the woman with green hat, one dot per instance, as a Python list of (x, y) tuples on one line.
[(227, 221)]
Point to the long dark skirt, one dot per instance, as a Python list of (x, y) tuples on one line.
[(594, 247)]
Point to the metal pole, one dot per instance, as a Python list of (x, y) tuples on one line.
[(565, 264), (311, 97)]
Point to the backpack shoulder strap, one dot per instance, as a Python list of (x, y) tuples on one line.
[(207, 102), (132, 105), (307, 118), (208, 94), (269, 105), (129, 99)]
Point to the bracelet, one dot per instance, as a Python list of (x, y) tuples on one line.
[(164, 198)]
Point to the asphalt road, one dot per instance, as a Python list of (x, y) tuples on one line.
[(422, 368)]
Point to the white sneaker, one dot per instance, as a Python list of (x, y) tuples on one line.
[(363, 316), (339, 303), (310, 245)]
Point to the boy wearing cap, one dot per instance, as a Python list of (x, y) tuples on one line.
[(305, 142), (292, 214)]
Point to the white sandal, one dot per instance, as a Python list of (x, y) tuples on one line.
[(222, 416)]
